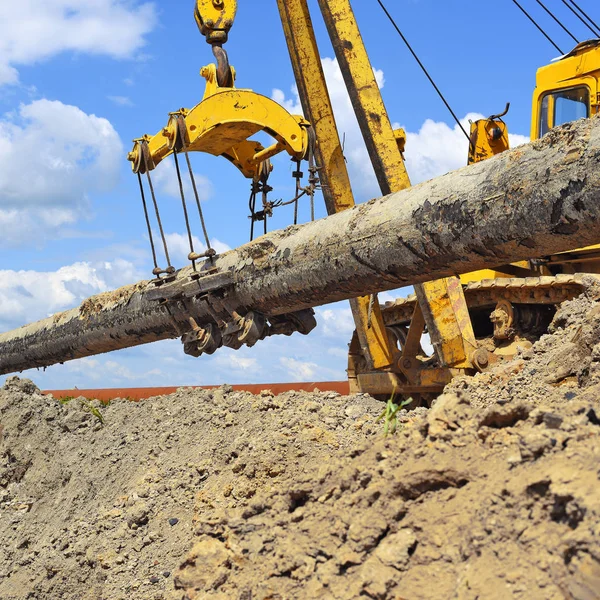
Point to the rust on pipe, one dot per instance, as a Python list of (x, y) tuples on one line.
[(137, 394)]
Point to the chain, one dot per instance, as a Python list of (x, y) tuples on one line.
[(261, 186)]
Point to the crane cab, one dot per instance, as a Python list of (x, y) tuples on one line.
[(567, 89)]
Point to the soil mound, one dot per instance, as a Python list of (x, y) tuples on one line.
[(97, 502), (493, 493)]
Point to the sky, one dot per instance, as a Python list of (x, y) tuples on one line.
[(80, 79)]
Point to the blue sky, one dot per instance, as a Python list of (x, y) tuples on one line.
[(79, 79)]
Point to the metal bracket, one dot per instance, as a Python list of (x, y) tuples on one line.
[(198, 285)]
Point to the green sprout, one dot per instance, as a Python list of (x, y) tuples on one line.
[(390, 414), (85, 405)]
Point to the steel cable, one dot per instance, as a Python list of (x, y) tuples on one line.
[(394, 24), (147, 221), (556, 19), (210, 251), (596, 31), (586, 16), (538, 26), (185, 212), (170, 268)]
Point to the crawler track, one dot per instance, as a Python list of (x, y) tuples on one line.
[(545, 290)]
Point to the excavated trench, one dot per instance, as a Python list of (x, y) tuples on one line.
[(492, 493)]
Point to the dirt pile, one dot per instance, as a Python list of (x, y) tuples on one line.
[(493, 493), (92, 510)]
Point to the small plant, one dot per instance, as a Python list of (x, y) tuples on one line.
[(390, 414), (66, 399), (86, 405), (94, 410)]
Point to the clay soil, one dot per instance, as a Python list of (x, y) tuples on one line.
[(493, 493)]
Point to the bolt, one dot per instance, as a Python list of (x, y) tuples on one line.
[(407, 363), (481, 358)]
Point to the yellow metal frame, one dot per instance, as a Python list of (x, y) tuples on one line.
[(488, 138), (443, 303), (221, 125), (581, 67), (308, 70), (215, 18), (316, 103), (227, 117)]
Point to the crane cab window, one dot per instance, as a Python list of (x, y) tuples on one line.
[(562, 107)]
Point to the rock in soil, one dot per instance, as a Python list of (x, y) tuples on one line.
[(493, 493)]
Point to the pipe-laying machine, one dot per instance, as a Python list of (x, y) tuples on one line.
[(473, 320)]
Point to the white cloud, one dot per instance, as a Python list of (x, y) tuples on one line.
[(338, 352), (27, 296), (165, 179), (121, 100), (435, 149), (438, 148), (179, 247), (238, 363), (232, 364), (32, 31), (292, 105), (299, 370), (336, 321), (96, 371), (115, 369), (52, 156)]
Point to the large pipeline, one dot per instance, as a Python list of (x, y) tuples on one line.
[(535, 200)]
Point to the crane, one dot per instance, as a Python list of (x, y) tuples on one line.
[(219, 126), (473, 320)]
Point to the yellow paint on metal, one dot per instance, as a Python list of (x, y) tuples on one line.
[(384, 147), (488, 138), (432, 381), (368, 319), (482, 275), (221, 125), (579, 68), (209, 72), (453, 338), (400, 136), (314, 95), (308, 70), (364, 92), (215, 18)]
